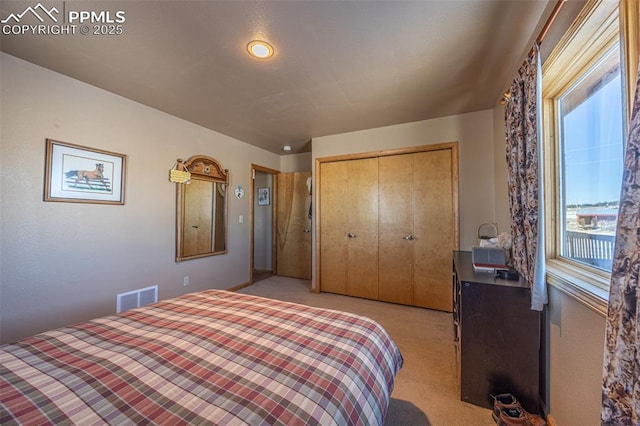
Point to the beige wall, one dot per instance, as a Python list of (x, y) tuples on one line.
[(295, 163), (65, 262), (500, 169), (576, 350)]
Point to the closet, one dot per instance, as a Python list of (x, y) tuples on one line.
[(388, 225)]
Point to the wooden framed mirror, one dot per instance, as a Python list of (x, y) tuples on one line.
[(201, 212)]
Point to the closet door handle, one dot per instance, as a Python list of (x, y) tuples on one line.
[(409, 237), (351, 235)]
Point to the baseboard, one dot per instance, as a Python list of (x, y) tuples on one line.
[(239, 286)]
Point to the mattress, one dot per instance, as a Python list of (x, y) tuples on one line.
[(212, 357)]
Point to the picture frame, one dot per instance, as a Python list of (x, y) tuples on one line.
[(79, 174), (264, 197)]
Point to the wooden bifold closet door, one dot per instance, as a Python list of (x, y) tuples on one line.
[(388, 226), (416, 229), (349, 224)]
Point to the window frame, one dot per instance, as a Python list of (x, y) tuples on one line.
[(596, 30)]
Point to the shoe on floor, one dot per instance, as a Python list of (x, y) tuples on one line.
[(516, 416), (502, 402)]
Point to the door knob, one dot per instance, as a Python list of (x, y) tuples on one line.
[(409, 237), (351, 235), (306, 231), (194, 226)]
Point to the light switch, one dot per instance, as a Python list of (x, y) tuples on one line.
[(241, 219)]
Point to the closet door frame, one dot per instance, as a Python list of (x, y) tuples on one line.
[(453, 146)]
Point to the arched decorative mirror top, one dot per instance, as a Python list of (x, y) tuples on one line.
[(201, 212)]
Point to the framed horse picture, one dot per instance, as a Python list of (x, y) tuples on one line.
[(78, 174)]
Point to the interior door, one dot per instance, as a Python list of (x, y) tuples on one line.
[(198, 214), (333, 224), (362, 231), (293, 225), (388, 226), (435, 223), (417, 228), (396, 224), (349, 226)]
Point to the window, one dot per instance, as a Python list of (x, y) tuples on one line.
[(584, 129), (590, 120)]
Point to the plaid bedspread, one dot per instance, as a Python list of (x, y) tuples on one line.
[(213, 357)]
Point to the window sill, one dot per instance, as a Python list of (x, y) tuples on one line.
[(578, 284)]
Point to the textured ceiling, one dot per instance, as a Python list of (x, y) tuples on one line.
[(339, 66)]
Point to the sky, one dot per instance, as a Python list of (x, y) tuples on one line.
[(593, 147)]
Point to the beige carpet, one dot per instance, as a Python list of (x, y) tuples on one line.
[(426, 391)]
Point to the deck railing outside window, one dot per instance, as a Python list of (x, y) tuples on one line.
[(592, 249)]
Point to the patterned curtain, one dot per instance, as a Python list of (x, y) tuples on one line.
[(523, 130), (621, 376)]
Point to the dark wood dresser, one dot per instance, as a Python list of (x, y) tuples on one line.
[(497, 337)]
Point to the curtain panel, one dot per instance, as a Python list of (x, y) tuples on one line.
[(621, 375), (524, 177)]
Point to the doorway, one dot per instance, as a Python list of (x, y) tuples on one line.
[(262, 225), (280, 224)]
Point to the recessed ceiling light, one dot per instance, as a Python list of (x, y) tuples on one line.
[(260, 49), (286, 148)]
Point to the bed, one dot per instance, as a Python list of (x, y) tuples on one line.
[(212, 357)]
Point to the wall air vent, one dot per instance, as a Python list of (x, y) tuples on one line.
[(136, 298)]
